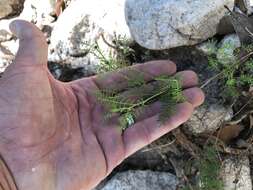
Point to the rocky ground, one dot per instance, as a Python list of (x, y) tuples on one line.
[(213, 150)]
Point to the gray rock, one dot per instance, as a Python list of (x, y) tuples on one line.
[(10, 8), (166, 24), (208, 118), (225, 53), (82, 24), (225, 26), (141, 180), (236, 173)]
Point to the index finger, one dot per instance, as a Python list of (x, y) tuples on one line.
[(117, 80)]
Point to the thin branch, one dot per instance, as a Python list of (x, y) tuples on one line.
[(243, 107), (210, 80), (107, 43)]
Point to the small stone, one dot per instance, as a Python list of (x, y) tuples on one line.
[(146, 180), (225, 53), (208, 118), (236, 173)]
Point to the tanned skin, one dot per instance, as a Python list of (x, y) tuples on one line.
[(53, 136)]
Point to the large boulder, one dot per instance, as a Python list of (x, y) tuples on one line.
[(10, 8), (81, 25), (166, 24), (135, 180)]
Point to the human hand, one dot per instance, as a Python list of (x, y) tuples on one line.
[(52, 134)]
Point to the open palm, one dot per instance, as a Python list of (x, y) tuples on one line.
[(53, 135)]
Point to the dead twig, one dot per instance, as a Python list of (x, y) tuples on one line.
[(159, 147), (193, 149)]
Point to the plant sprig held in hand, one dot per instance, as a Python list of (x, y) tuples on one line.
[(131, 103)]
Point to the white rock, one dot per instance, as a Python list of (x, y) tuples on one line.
[(11, 45), (5, 35), (4, 63), (29, 13), (166, 24), (236, 173), (38, 12), (141, 180), (67, 2), (208, 118), (227, 47), (43, 10), (82, 23)]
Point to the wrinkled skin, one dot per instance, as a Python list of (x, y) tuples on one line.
[(53, 136)]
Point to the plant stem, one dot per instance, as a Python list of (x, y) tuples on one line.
[(140, 103)]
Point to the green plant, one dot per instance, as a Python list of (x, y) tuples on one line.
[(123, 47), (235, 74), (139, 95), (209, 167), (117, 58), (106, 63), (209, 170)]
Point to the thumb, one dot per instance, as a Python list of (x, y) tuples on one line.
[(32, 43)]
